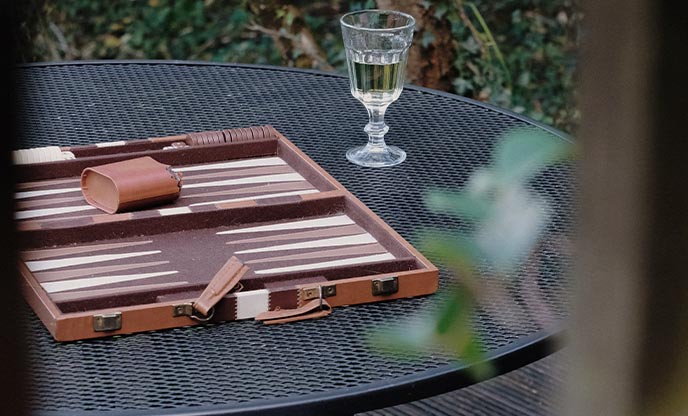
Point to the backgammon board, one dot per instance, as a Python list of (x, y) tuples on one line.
[(247, 193)]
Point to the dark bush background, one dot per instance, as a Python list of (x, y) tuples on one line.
[(519, 55)]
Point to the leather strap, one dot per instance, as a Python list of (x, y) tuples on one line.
[(316, 308), (223, 281)]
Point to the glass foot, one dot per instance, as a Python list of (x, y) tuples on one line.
[(376, 156)]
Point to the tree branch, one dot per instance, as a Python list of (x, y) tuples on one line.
[(470, 26), (304, 41)]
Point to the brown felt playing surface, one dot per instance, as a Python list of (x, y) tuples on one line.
[(203, 184), (171, 262)]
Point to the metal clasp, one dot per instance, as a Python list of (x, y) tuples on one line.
[(385, 286), (319, 292), (107, 322)]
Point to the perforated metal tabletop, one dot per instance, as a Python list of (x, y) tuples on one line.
[(313, 367)]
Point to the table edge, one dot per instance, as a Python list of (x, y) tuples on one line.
[(376, 395)]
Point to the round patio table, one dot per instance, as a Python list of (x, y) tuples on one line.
[(322, 366)]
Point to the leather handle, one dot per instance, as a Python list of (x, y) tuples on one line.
[(223, 281), (317, 308)]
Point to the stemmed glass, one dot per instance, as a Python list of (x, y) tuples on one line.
[(377, 44)]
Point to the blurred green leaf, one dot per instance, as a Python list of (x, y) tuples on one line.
[(461, 204), (440, 10), (524, 153), (458, 252), (507, 237), (427, 39), (454, 315), (289, 18), (462, 85)]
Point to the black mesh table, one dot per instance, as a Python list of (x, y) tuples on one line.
[(313, 367)]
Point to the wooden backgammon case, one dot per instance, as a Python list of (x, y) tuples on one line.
[(249, 193)]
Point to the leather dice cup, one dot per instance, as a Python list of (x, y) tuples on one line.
[(130, 184)]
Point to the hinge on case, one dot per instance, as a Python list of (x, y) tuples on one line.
[(183, 309), (107, 322), (314, 292), (187, 309), (224, 281)]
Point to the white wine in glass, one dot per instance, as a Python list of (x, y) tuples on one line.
[(377, 43), (377, 84)]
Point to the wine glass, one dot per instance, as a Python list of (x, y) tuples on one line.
[(377, 44)]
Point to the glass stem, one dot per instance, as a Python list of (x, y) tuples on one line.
[(376, 127)]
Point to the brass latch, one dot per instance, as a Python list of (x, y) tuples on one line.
[(315, 292), (107, 322), (385, 286)]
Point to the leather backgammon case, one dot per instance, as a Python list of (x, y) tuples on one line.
[(257, 230)]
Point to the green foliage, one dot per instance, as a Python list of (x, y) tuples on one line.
[(157, 29), (527, 59), (507, 222), (507, 218), (524, 154), (520, 55)]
